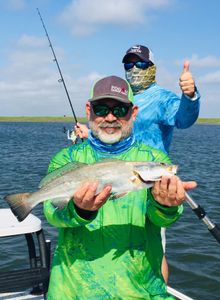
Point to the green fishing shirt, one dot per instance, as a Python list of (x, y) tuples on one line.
[(117, 254)]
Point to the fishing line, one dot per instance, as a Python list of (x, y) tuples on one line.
[(58, 67)]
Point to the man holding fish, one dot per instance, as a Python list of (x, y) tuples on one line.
[(109, 244), (160, 110)]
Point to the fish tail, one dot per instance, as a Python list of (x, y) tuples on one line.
[(19, 205)]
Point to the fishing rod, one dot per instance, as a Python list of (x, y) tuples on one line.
[(56, 61), (201, 214)]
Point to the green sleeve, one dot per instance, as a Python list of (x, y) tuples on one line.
[(160, 156), (160, 215), (66, 217)]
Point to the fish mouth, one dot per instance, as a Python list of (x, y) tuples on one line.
[(148, 182), (151, 177)]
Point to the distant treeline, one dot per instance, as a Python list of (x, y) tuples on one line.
[(208, 121), (82, 119)]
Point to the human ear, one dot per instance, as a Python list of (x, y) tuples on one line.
[(88, 110), (134, 112)]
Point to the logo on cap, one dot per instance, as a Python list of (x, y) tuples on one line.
[(135, 49), (119, 90)]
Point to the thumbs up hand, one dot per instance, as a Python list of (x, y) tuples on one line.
[(186, 81)]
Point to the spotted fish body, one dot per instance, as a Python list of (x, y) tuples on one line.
[(60, 185)]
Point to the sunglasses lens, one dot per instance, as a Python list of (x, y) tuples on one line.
[(120, 111), (139, 64), (142, 65), (129, 66), (101, 110)]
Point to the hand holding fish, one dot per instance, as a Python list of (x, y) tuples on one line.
[(170, 191), (86, 197)]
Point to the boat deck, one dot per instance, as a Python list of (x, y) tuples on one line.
[(27, 296), (20, 296)]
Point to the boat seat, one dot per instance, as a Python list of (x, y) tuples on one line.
[(36, 276)]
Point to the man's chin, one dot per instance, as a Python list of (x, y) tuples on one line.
[(110, 138)]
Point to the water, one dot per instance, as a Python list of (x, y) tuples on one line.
[(192, 252)]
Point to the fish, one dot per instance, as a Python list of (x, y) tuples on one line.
[(59, 185)]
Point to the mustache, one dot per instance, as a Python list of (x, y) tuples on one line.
[(110, 125)]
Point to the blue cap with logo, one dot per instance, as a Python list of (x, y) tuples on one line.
[(142, 52)]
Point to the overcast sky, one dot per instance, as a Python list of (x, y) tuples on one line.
[(90, 38)]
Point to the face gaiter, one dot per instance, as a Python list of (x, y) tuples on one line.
[(140, 79)]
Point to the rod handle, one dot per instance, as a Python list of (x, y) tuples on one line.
[(215, 231)]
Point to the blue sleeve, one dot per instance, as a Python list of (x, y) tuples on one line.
[(188, 111), (169, 108)]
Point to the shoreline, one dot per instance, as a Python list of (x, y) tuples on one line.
[(43, 119), (208, 121)]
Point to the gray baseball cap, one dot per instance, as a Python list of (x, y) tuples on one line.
[(112, 87)]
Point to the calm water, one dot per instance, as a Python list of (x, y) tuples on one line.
[(193, 254)]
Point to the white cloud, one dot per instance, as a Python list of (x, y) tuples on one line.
[(213, 77), (203, 62), (31, 41), (166, 78), (84, 16), (29, 82), (15, 4)]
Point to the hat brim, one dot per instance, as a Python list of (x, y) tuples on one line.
[(136, 54), (110, 97)]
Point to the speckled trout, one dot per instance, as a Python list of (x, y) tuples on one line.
[(59, 185)]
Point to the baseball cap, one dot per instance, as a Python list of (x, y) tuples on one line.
[(112, 87), (141, 51)]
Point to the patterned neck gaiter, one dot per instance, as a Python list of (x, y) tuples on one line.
[(140, 79), (111, 148)]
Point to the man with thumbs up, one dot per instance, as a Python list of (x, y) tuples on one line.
[(160, 110)]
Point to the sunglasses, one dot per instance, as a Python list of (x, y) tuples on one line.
[(139, 64), (119, 111)]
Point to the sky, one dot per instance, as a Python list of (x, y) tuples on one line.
[(90, 38)]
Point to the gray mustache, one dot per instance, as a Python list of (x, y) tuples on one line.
[(111, 125)]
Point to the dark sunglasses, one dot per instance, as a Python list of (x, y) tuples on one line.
[(102, 110), (139, 64)]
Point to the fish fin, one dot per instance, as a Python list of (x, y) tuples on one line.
[(114, 196), (60, 202), (19, 205), (120, 195), (149, 184), (107, 160), (60, 172)]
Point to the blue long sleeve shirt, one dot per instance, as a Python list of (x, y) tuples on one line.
[(161, 110)]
